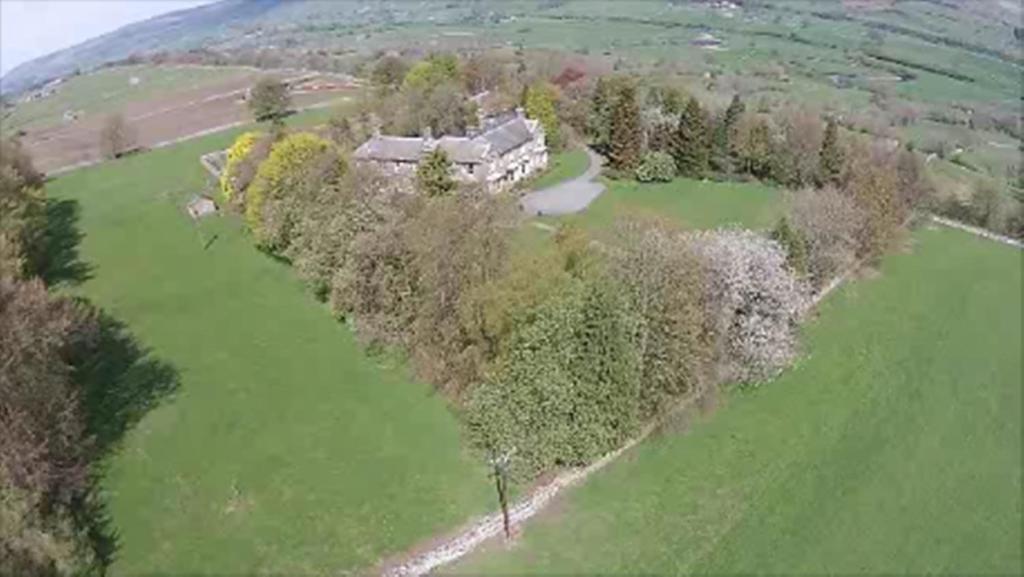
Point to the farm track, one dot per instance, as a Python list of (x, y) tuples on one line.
[(567, 197)]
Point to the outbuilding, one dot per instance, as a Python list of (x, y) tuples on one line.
[(201, 206)]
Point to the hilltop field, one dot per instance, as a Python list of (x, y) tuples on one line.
[(281, 425), (265, 436)]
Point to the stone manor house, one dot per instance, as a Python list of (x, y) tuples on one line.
[(507, 149)]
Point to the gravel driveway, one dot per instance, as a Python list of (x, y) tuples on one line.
[(569, 196)]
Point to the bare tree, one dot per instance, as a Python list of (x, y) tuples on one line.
[(117, 136)]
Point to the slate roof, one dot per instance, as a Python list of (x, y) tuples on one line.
[(499, 140), (508, 136), (393, 148), (463, 150)]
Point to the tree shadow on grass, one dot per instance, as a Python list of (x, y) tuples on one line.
[(121, 381), (59, 259)]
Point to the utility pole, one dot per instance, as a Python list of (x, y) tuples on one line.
[(500, 464)]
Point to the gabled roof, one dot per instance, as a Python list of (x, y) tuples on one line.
[(463, 150), (393, 148), (508, 136), (514, 132)]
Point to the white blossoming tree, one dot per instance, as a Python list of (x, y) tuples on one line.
[(755, 303)]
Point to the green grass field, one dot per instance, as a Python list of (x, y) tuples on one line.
[(894, 446), (108, 90), (284, 449), (561, 167), (694, 204)]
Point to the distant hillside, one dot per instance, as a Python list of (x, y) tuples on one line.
[(177, 30), (322, 33)]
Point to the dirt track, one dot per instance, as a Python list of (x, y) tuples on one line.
[(158, 120)]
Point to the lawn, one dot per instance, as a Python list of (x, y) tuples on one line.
[(893, 447), (284, 449), (562, 166), (110, 89), (692, 203)]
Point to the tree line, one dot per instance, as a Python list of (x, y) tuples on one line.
[(564, 351), (51, 348), (560, 352)]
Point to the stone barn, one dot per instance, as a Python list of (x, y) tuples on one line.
[(200, 206), (507, 150)]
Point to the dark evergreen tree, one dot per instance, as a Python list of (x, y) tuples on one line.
[(830, 164), (602, 105), (735, 110), (626, 134), (691, 148), (721, 146), (752, 146)]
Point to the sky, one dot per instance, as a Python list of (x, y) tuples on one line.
[(33, 28)]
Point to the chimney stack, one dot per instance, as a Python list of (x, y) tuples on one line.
[(375, 123), (429, 142)]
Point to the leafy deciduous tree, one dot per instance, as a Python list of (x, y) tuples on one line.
[(752, 145), (656, 167), (269, 99), (540, 105), (430, 73), (756, 303), (829, 224), (22, 213), (270, 198)]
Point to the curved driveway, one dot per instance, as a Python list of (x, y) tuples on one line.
[(569, 196)]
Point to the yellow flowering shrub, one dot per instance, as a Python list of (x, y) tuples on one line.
[(284, 167), (236, 154)]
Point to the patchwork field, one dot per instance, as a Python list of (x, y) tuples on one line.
[(168, 103), (279, 446), (106, 91), (894, 446)]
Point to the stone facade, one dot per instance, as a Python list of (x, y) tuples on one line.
[(508, 150)]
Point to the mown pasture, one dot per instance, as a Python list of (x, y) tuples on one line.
[(893, 446), (693, 204), (281, 447)]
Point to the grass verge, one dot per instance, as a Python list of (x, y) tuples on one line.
[(562, 166)]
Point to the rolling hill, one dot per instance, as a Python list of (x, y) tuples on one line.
[(179, 30)]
